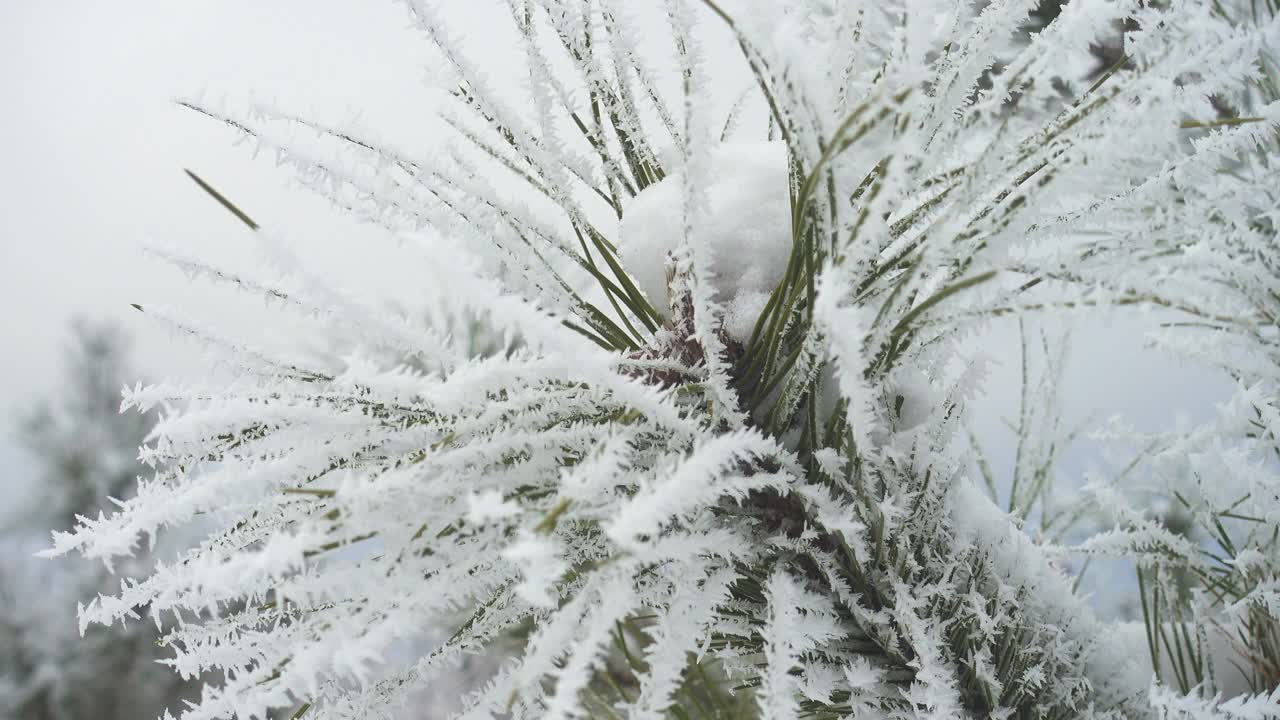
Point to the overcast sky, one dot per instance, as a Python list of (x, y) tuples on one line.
[(92, 148)]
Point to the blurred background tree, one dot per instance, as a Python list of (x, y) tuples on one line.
[(86, 452)]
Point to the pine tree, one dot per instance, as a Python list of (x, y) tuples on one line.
[(710, 463), (87, 451)]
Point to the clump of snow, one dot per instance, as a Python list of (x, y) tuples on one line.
[(746, 228), (914, 397), (743, 311)]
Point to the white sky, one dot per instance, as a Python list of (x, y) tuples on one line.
[(92, 151), (92, 148)]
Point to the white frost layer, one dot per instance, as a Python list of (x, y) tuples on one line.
[(747, 228), (1116, 670), (1119, 654)]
